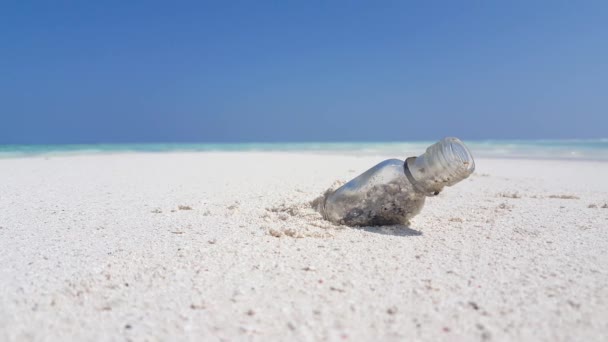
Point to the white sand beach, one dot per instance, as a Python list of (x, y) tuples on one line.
[(224, 246)]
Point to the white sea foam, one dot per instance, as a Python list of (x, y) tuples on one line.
[(596, 149)]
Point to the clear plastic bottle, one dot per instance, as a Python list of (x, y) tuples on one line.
[(394, 191)]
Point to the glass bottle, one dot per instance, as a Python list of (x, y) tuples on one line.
[(394, 191)]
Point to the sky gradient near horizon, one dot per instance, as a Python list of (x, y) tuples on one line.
[(232, 71)]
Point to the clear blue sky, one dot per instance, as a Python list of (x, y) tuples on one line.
[(232, 71)]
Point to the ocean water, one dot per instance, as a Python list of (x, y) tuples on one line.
[(596, 149)]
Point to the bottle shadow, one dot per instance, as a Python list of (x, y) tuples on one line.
[(398, 230)]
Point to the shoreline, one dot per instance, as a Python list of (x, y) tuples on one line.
[(590, 149), (48, 155)]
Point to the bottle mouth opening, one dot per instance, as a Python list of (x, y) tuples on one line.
[(458, 156)]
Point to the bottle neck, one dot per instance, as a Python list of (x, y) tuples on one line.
[(443, 164), (418, 186)]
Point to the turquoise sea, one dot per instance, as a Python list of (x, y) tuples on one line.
[(596, 149)]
